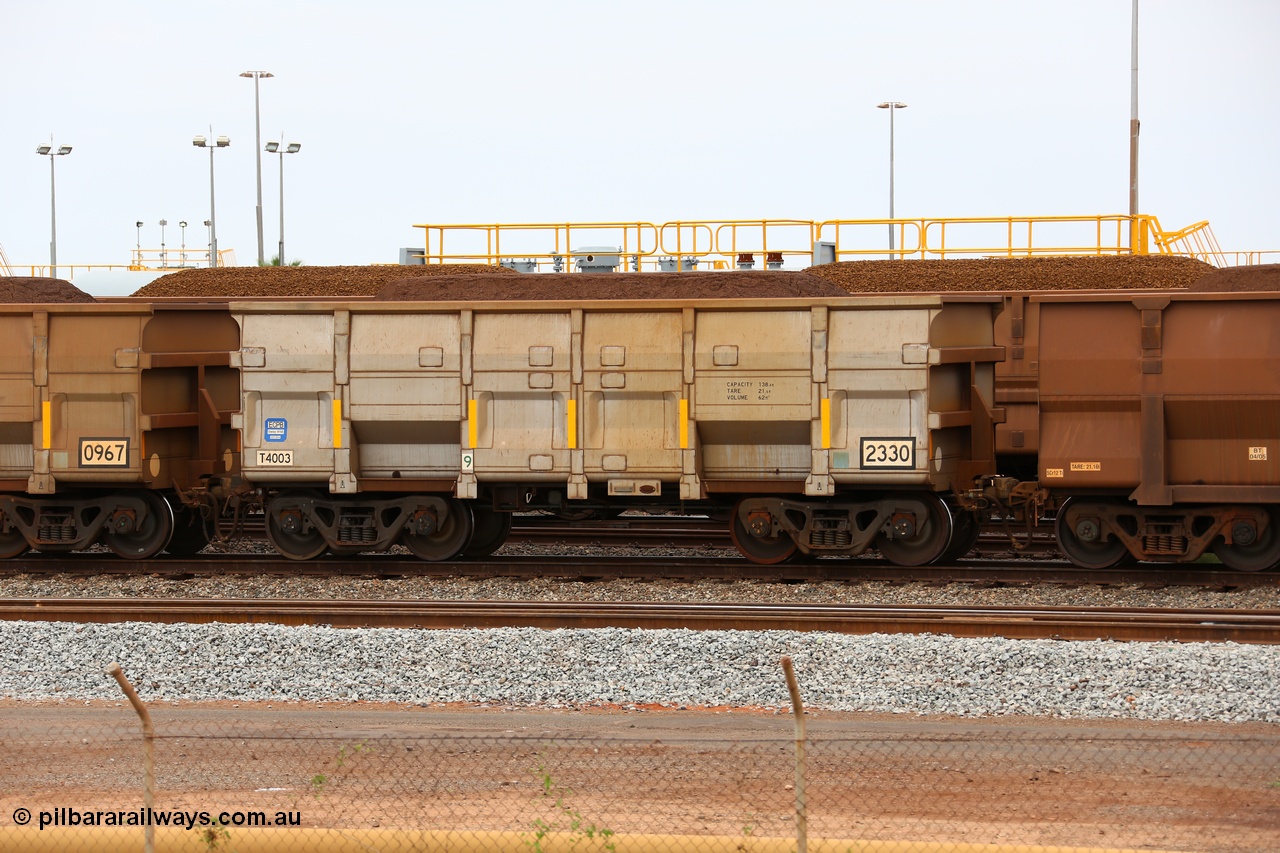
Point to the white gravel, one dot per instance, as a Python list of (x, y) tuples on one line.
[(908, 674), (555, 589), (580, 668)]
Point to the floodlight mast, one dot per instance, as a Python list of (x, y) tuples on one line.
[(892, 107), (212, 144), (48, 151), (257, 143), (282, 149)]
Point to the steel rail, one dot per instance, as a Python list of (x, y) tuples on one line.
[(1085, 623), (995, 572), (677, 532)]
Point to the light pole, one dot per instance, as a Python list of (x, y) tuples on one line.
[(208, 223), (51, 152), (275, 148), (212, 144), (257, 144), (1134, 125), (137, 258), (183, 255), (891, 106), (164, 256)]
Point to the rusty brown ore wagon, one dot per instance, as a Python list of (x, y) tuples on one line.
[(1159, 425), (109, 415)]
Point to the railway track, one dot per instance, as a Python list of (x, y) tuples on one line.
[(684, 532), (993, 572), (1129, 624)]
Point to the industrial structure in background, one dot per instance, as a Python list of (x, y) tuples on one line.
[(797, 243), (709, 245)]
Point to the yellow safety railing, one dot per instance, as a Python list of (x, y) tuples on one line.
[(773, 243), (1003, 236), (551, 245), (774, 239), (760, 243), (141, 260), (642, 246), (1196, 241), (65, 271)]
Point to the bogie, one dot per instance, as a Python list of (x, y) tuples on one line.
[(909, 528)]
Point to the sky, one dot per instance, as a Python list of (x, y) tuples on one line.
[(504, 111)]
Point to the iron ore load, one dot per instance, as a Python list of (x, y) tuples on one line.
[(812, 415)]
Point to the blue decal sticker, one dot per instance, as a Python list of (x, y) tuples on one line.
[(275, 429)]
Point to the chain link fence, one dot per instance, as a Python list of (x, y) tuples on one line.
[(229, 780)]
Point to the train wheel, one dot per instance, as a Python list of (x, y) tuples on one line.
[(12, 544), (1262, 554), (490, 531), (927, 543), (449, 538), (287, 531), (764, 550), (135, 539), (1085, 553), (190, 535), (964, 535)]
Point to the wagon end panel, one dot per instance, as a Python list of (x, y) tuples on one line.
[(1016, 380), (965, 414), (189, 392)]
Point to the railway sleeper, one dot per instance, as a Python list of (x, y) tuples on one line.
[(1103, 533), (908, 529)]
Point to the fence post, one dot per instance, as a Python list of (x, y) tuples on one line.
[(148, 752), (797, 707)]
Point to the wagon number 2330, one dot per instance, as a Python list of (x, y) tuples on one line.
[(888, 452)]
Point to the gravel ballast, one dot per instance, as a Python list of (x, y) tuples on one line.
[(910, 674)]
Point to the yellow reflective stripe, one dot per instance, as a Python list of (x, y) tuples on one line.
[(571, 409), (46, 421), (684, 424), (337, 423), (826, 422), (473, 429)]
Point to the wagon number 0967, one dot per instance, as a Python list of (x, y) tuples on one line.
[(104, 453), (888, 452)]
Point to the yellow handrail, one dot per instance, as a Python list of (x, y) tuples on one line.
[(772, 243), (722, 244), (1196, 241), (65, 271), (988, 236), (567, 240)]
